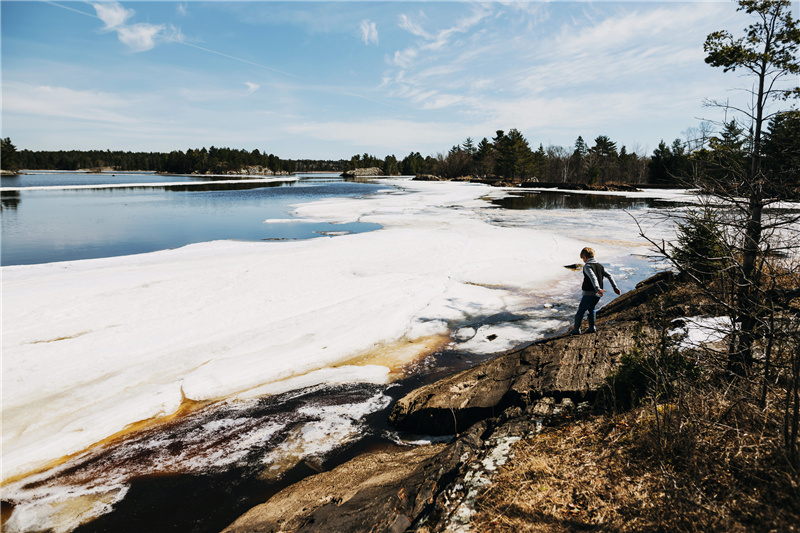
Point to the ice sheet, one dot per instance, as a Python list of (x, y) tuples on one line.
[(90, 347)]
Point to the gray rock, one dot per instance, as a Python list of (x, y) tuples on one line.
[(362, 172), (382, 491), (574, 367)]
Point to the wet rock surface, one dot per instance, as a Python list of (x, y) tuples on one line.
[(429, 488)]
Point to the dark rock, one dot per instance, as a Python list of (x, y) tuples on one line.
[(629, 303), (383, 491)]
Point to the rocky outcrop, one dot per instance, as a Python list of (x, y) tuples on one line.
[(257, 170), (430, 488), (362, 172), (384, 491), (369, 491), (534, 377)]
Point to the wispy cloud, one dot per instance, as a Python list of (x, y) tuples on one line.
[(592, 52), (251, 87), (436, 41), (62, 102), (369, 32), (401, 135), (141, 37), (196, 94), (412, 27), (182, 9)]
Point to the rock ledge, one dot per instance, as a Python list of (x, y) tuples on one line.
[(431, 488)]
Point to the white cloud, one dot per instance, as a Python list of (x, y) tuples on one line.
[(112, 14), (251, 87), (405, 58), (438, 46), (511, 56), (369, 32), (139, 37), (182, 9), (413, 28)]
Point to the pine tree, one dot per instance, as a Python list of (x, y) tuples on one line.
[(8, 155)]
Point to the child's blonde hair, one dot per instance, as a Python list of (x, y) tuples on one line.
[(587, 252)]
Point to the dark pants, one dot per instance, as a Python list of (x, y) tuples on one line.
[(587, 304)]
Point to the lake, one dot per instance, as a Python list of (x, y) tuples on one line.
[(253, 365), (62, 224)]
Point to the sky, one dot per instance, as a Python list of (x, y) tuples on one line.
[(327, 80)]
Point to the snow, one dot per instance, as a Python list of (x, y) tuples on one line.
[(90, 347), (698, 331)]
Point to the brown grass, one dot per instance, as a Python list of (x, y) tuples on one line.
[(704, 465)]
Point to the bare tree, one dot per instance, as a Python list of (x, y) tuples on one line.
[(768, 53)]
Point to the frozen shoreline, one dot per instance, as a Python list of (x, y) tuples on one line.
[(92, 346)]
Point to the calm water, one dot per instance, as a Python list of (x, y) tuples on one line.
[(63, 179), (42, 226), (572, 200)]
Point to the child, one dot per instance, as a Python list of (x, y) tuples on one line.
[(593, 274)]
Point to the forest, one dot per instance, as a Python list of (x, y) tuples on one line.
[(199, 161), (507, 158)]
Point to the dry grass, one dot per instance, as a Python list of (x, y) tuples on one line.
[(705, 465)]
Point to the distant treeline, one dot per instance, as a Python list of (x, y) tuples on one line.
[(201, 161), (507, 158)]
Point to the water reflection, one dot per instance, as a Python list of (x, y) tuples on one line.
[(9, 200), (63, 224), (572, 200)]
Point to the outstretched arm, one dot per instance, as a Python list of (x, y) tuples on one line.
[(606, 274)]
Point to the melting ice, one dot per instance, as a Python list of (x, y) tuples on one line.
[(92, 347)]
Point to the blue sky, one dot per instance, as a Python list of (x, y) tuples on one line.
[(332, 79)]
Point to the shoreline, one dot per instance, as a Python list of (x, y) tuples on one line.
[(427, 268), (477, 440)]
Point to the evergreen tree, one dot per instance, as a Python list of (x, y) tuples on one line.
[(484, 157), (469, 146), (8, 155), (390, 166), (514, 157), (781, 153), (669, 166), (581, 150), (739, 175)]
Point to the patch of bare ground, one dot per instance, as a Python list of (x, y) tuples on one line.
[(708, 463)]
